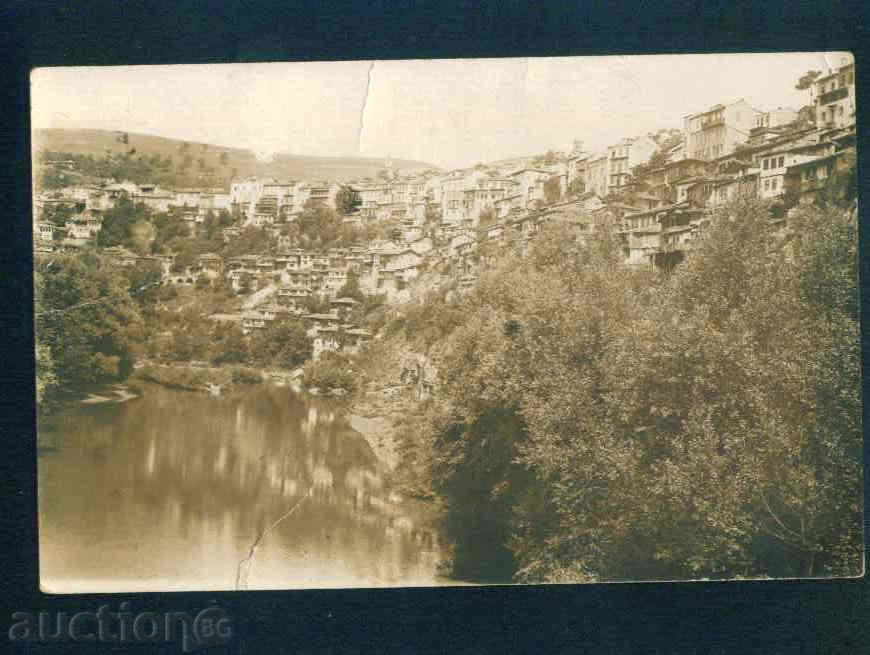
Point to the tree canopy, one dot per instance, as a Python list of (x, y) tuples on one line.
[(597, 422)]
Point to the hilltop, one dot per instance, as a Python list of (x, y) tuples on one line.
[(218, 162)]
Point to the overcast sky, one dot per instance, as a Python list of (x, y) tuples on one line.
[(451, 113)]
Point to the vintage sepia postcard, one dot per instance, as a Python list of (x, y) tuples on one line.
[(447, 322)]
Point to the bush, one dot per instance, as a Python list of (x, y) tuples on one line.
[(242, 375), (331, 371)]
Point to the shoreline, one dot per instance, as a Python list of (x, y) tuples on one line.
[(378, 432)]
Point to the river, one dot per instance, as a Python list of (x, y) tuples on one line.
[(261, 489)]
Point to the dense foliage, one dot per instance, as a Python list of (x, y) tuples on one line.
[(596, 422), (333, 370), (88, 326), (176, 170)]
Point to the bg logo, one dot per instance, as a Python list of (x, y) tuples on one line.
[(210, 627)]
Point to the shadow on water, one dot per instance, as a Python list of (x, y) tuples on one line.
[(172, 491)]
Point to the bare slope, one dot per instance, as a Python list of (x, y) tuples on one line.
[(226, 162)]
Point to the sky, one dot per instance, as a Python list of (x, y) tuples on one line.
[(450, 112)]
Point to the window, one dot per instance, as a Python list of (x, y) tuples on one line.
[(774, 183), (780, 162), (767, 185), (766, 164)]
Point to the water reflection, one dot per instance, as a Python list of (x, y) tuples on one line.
[(170, 491)]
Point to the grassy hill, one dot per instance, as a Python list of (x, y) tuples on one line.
[(212, 162)]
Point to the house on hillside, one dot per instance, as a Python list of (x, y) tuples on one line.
[(317, 322), (833, 96), (718, 131), (293, 297), (254, 320), (481, 195), (153, 197), (43, 232), (772, 124), (597, 169), (661, 237), (355, 339), (530, 185), (334, 280), (808, 177), (210, 264), (343, 307), (662, 180), (623, 157), (325, 340), (509, 206), (773, 163)]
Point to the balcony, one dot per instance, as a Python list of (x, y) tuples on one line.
[(712, 122), (833, 96)]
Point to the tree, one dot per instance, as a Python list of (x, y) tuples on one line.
[(553, 190), (252, 240), (53, 178), (596, 422), (86, 323), (807, 115), (666, 140), (841, 187), (230, 346), (144, 280), (58, 213), (577, 187), (316, 304), (351, 288), (432, 214), (487, 217), (806, 80), (119, 221), (283, 344), (170, 230), (225, 219), (347, 200), (184, 258), (319, 224), (548, 158)]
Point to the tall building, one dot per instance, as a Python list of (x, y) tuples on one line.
[(833, 96), (596, 175), (623, 157), (717, 131)]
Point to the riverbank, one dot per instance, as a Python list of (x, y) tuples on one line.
[(117, 393), (384, 417), (379, 432), (209, 378)]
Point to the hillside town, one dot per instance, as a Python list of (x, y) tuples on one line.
[(655, 191), (633, 361)]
